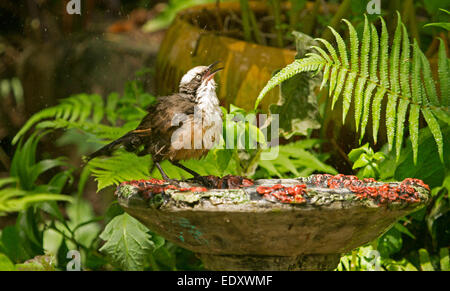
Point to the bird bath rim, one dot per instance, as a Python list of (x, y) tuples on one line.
[(249, 228)]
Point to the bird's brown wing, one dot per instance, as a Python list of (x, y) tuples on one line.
[(162, 120)]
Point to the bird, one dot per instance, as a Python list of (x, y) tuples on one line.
[(181, 126)]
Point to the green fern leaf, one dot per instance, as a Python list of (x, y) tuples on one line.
[(326, 75), (391, 114), (122, 166), (111, 105), (354, 47), (384, 55), (348, 91), (405, 89), (395, 57), (407, 83), (359, 90), (339, 85), (98, 108), (341, 47), (414, 129), (373, 77), (354, 66), (323, 54), (401, 116), (309, 64), (330, 49), (73, 109), (333, 80), (444, 74), (416, 89), (430, 95), (376, 111), (366, 111), (435, 130), (391, 109)]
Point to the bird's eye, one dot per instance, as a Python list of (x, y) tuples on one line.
[(198, 77)]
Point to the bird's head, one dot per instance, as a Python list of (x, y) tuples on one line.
[(198, 77)]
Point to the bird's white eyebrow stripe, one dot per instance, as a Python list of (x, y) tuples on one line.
[(191, 74)]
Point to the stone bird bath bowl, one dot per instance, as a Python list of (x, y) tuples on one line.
[(285, 224)]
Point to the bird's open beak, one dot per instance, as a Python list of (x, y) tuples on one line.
[(210, 72)]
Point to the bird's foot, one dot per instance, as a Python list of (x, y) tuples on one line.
[(173, 182), (205, 181)]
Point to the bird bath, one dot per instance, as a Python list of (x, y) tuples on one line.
[(284, 224)]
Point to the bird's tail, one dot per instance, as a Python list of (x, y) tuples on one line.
[(108, 149)]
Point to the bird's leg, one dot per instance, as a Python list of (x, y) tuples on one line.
[(196, 175), (193, 173), (164, 175)]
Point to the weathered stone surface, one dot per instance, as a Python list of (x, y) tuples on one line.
[(235, 229)]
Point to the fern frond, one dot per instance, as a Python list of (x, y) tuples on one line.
[(405, 89), (14, 200), (76, 108), (444, 74), (435, 130), (373, 77), (309, 64), (86, 112), (407, 83), (430, 89), (359, 90), (101, 131), (122, 166), (394, 75)]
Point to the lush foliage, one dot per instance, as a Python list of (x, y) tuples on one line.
[(394, 73), (125, 243), (54, 217)]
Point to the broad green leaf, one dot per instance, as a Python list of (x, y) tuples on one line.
[(5, 263), (361, 162), (128, 242), (390, 243), (428, 166), (425, 262), (444, 25), (444, 259)]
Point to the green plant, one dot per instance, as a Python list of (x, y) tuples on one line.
[(367, 161), (296, 159), (406, 81), (444, 25), (128, 242), (368, 259), (22, 190)]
